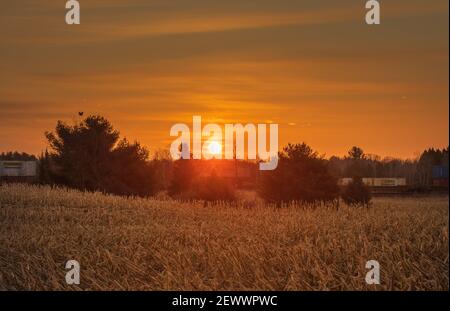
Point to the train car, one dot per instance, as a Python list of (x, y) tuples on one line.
[(385, 182), (380, 186), (376, 182), (440, 176), (18, 171)]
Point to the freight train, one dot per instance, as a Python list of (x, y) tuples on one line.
[(18, 171)]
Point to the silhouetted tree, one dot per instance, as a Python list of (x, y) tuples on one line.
[(213, 188), (301, 176), (183, 174), (44, 169), (16, 156), (163, 167), (357, 193), (427, 160), (356, 153), (357, 162), (190, 182), (88, 156), (131, 173)]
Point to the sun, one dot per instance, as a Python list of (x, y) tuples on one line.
[(215, 148)]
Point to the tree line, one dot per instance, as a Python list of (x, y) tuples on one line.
[(16, 156), (91, 156), (416, 171)]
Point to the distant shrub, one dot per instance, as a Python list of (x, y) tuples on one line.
[(189, 184), (214, 188), (357, 193)]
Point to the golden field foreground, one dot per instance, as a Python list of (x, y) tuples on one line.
[(149, 244)]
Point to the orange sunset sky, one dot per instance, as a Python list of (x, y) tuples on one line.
[(314, 67)]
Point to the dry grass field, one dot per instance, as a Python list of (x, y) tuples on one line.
[(149, 244)]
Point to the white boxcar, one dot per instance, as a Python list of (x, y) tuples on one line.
[(18, 168), (376, 182)]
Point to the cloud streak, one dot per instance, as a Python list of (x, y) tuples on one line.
[(149, 64)]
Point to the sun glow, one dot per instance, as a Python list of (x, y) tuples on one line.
[(215, 148)]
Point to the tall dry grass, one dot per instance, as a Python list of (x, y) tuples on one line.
[(146, 244)]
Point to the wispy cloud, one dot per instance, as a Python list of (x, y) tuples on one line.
[(147, 64)]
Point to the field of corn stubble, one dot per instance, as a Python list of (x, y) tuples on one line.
[(149, 244)]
